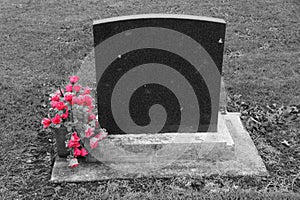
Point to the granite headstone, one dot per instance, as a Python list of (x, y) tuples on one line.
[(158, 73)]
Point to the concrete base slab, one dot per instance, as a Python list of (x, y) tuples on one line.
[(228, 152)]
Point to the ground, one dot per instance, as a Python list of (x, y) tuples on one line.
[(42, 42)]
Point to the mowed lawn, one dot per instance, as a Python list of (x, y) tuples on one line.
[(42, 42)]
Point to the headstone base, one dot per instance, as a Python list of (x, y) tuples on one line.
[(230, 151)]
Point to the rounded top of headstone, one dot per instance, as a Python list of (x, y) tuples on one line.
[(159, 16)]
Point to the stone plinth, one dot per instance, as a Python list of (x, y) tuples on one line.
[(230, 151)]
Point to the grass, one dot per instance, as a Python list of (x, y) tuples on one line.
[(42, 42)]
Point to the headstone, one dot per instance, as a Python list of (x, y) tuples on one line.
[(162, 74), (159, 73)]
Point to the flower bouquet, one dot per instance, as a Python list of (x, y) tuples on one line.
[(73, 117)]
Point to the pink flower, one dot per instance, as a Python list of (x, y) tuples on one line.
[(53, 104), (77, 152), (73, 163), (68, 97), (94, 142), (65, 115), (89, 132), (91, 107), (55, 97), (91, 117), (101, 135), (88, 100), (77, 100), (69, 88), (75, 137), (87, 90), (84, 152), (56, 119), (58, 92), (46, 122), (77, 88), (73, 144), (73, 79), (60, 105)]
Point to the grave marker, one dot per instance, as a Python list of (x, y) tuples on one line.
[(159, 73), (162, 74)]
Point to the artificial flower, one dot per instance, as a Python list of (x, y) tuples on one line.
[(87, 90), (53, 104), (56, 119), (65, 115), (60, 105), (73, 162), (73, 144), (69, 97), (91, 117), (46, 122), (84, 152), (73, 79), (56, 97), (77, 88), (89, 132), (75, 137), (88, 100), (94, 142), (69, 88), (77, 152)]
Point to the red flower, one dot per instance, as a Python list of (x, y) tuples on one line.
[(65, 115), (55, 97), (46, 122), (60, 105), (69, 97), (73, 79), (73, 163), (77, 152), (84, 152), (77, 88), (75, 137), (56, 119), (69, 88), (73, 144)]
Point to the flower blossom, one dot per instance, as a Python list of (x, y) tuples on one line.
[(73, 163), (60, 105), (56, 97), (73, 79), (68, 97), (88, 100), (87, 90), (46, 122), (56, 119), (80, 152), (69, 88), (89, 132), (77, 88)]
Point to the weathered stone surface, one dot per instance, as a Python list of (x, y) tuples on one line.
[(245, 162)]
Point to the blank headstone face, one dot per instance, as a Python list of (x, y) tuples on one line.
[(158, 73)]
